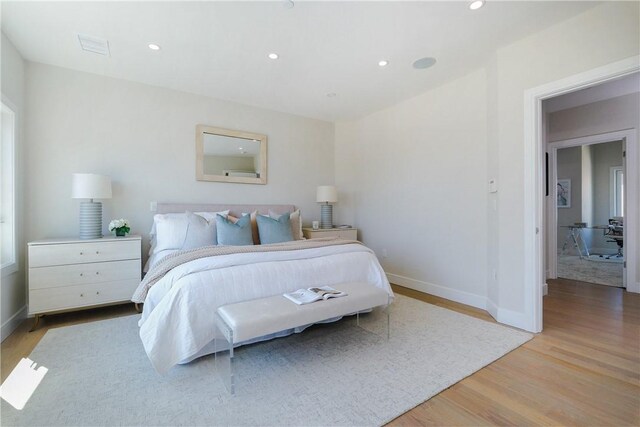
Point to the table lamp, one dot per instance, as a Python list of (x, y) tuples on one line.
[(90, 186), (326, 194)]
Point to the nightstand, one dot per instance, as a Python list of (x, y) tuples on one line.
[(343, 233), (73, 274)]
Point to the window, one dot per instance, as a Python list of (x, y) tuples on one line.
[(617, 191), (7, 190)]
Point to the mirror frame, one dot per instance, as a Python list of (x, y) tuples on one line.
[(201, 130)]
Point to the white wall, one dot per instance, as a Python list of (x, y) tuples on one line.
[(605, 157), (414, 176), (570, 167), (12, 289), (143, 137)]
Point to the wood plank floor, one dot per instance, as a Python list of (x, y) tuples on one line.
[(583, 369)]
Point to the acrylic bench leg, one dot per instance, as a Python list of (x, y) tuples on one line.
[(224, 359)]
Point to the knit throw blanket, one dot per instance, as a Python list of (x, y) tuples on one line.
[(171, 261)]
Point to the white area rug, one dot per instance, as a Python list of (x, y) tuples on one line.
[(592, 270), (335, 374)]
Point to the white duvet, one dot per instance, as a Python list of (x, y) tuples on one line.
[(178, 319)]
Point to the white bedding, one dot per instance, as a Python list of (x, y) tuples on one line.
[(178, 319)]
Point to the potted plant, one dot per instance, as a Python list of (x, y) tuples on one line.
[(120, 226)]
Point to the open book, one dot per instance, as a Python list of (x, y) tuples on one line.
[(306, 296)]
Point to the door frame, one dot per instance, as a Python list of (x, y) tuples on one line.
[(533, 188), (630, 162)]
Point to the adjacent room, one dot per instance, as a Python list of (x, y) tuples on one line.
[(588, 162), (310, 213)]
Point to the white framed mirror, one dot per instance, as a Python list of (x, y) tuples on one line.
[(225, 155)]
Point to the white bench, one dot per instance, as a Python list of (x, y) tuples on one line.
[(244, 321)]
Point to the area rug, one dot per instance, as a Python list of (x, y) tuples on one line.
[(592, 270), (332, 374)]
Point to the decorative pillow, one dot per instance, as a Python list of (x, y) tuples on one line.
[(211, 216), (274, 230), (200, 232), (296, 223), (238, 234), (171, 231), (174, 224)]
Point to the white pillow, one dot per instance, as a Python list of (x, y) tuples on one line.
[(211, 216), (200, 232), (173, 231)]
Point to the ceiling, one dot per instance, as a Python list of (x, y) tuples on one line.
[(219, 49), (611, 89)]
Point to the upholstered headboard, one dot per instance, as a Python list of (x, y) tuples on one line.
[(235, 210)]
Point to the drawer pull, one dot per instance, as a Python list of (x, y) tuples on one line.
[(81, 274), (97, 252), (81, 295), (97, 272), (98, 293), (80, 253)]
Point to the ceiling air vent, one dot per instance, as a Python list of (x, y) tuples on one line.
[(94, 44)]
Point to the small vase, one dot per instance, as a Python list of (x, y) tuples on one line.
[(120, 232)]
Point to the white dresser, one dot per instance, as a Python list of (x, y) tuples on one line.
[(71, 274)]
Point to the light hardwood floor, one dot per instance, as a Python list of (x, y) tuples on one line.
[(583, 369)]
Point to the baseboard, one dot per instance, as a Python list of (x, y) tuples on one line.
[(545, 289), (12, 323), (513, 318), (507, 317), (492, 309), (439, 291)]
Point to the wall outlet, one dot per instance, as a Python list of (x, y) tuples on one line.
[(153, 206), (493, 185)]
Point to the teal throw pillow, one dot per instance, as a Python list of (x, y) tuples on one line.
[(274, 230), (230, 234)]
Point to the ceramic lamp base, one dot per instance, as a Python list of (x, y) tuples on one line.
[(326, 216), (90, 220)]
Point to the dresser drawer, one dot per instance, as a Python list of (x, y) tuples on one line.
[(342, 233), (53, 299), (77, 253), (78, 274)]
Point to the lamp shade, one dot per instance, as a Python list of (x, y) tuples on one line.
[(326, 193), (90, 186)]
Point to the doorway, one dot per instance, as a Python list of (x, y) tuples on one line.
[(586, 210), (534, 214)]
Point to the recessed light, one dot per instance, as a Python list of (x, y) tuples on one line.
[(154, 46), (273, 56), (383, 63), (288, 4), (422, 63), (475, 5), (332, 95)]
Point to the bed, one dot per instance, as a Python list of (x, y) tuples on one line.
[(177, 323)]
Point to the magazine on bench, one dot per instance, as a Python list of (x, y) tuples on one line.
[(307, 296)]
